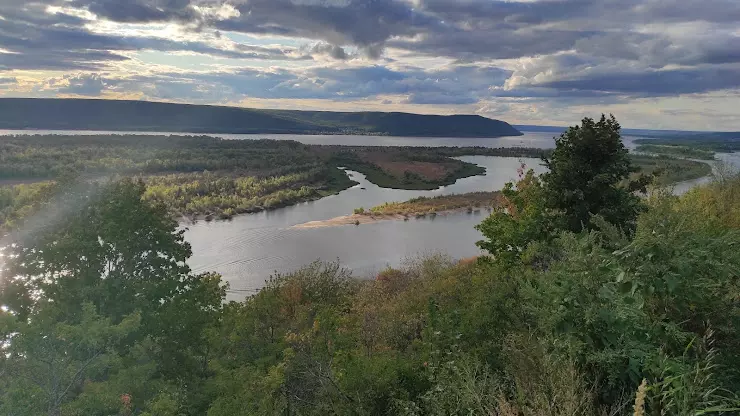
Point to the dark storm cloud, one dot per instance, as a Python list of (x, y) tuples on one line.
[(461, 85), (358, 22), (59, 60), (493, 44), (84, 84), (654, 83), (333, 51), (714, 11), (139, 11), (40, 40), (8, 80)]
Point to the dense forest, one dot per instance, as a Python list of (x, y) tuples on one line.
[(592, 300), (115, 115)]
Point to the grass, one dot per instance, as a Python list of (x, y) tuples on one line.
[(679, 151), (221, 196), (671, 170), (719, 142), (422, 206)]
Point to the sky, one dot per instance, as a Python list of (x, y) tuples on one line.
[(663, 64)]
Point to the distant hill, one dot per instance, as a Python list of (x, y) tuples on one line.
[(74, 114)]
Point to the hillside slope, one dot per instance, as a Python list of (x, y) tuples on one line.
[(77, 114)]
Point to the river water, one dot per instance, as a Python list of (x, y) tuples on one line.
[(249, 248), (528, 139)]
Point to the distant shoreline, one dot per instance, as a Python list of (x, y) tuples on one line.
[(133, 116)]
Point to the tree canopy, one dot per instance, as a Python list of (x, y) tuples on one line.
[(587, 174), (100, 314)]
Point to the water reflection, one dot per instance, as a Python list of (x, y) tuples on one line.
[(249, 248)]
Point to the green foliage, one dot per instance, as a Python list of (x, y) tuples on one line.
[(47, 360), (439, 203), (681, 151), (191, 195), (585, 171), (521, 220), (711, 141), (668, 170), (98, 304), (20, 201), (201, 176), (101, 316)]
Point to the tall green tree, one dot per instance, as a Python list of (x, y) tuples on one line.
[(103, 246), (589, 174), (46, 360), (521, 220)]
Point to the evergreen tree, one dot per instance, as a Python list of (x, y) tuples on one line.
[(589, 174)]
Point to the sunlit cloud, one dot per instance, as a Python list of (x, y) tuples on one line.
[(539, 62)]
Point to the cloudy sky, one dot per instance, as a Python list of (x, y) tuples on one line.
[(653, 63)]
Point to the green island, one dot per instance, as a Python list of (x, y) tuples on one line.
[(589, 300), (665, 171), (668, 170), (677, 151), (419, 207)]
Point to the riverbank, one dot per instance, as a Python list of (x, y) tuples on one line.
[(417, 208)]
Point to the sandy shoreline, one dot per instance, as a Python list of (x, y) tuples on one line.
[(358, 219), (354, 219)]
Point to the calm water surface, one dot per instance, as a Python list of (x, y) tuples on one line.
[(249, 248)]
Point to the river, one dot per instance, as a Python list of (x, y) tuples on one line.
[(249, 248)]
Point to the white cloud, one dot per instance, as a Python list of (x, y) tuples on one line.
[(552, 59)]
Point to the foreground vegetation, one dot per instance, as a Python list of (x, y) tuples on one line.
[(678, 151), (117, 115), (591, 301)]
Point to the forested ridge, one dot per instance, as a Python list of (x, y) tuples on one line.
[(591, 300), (117, 115)]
